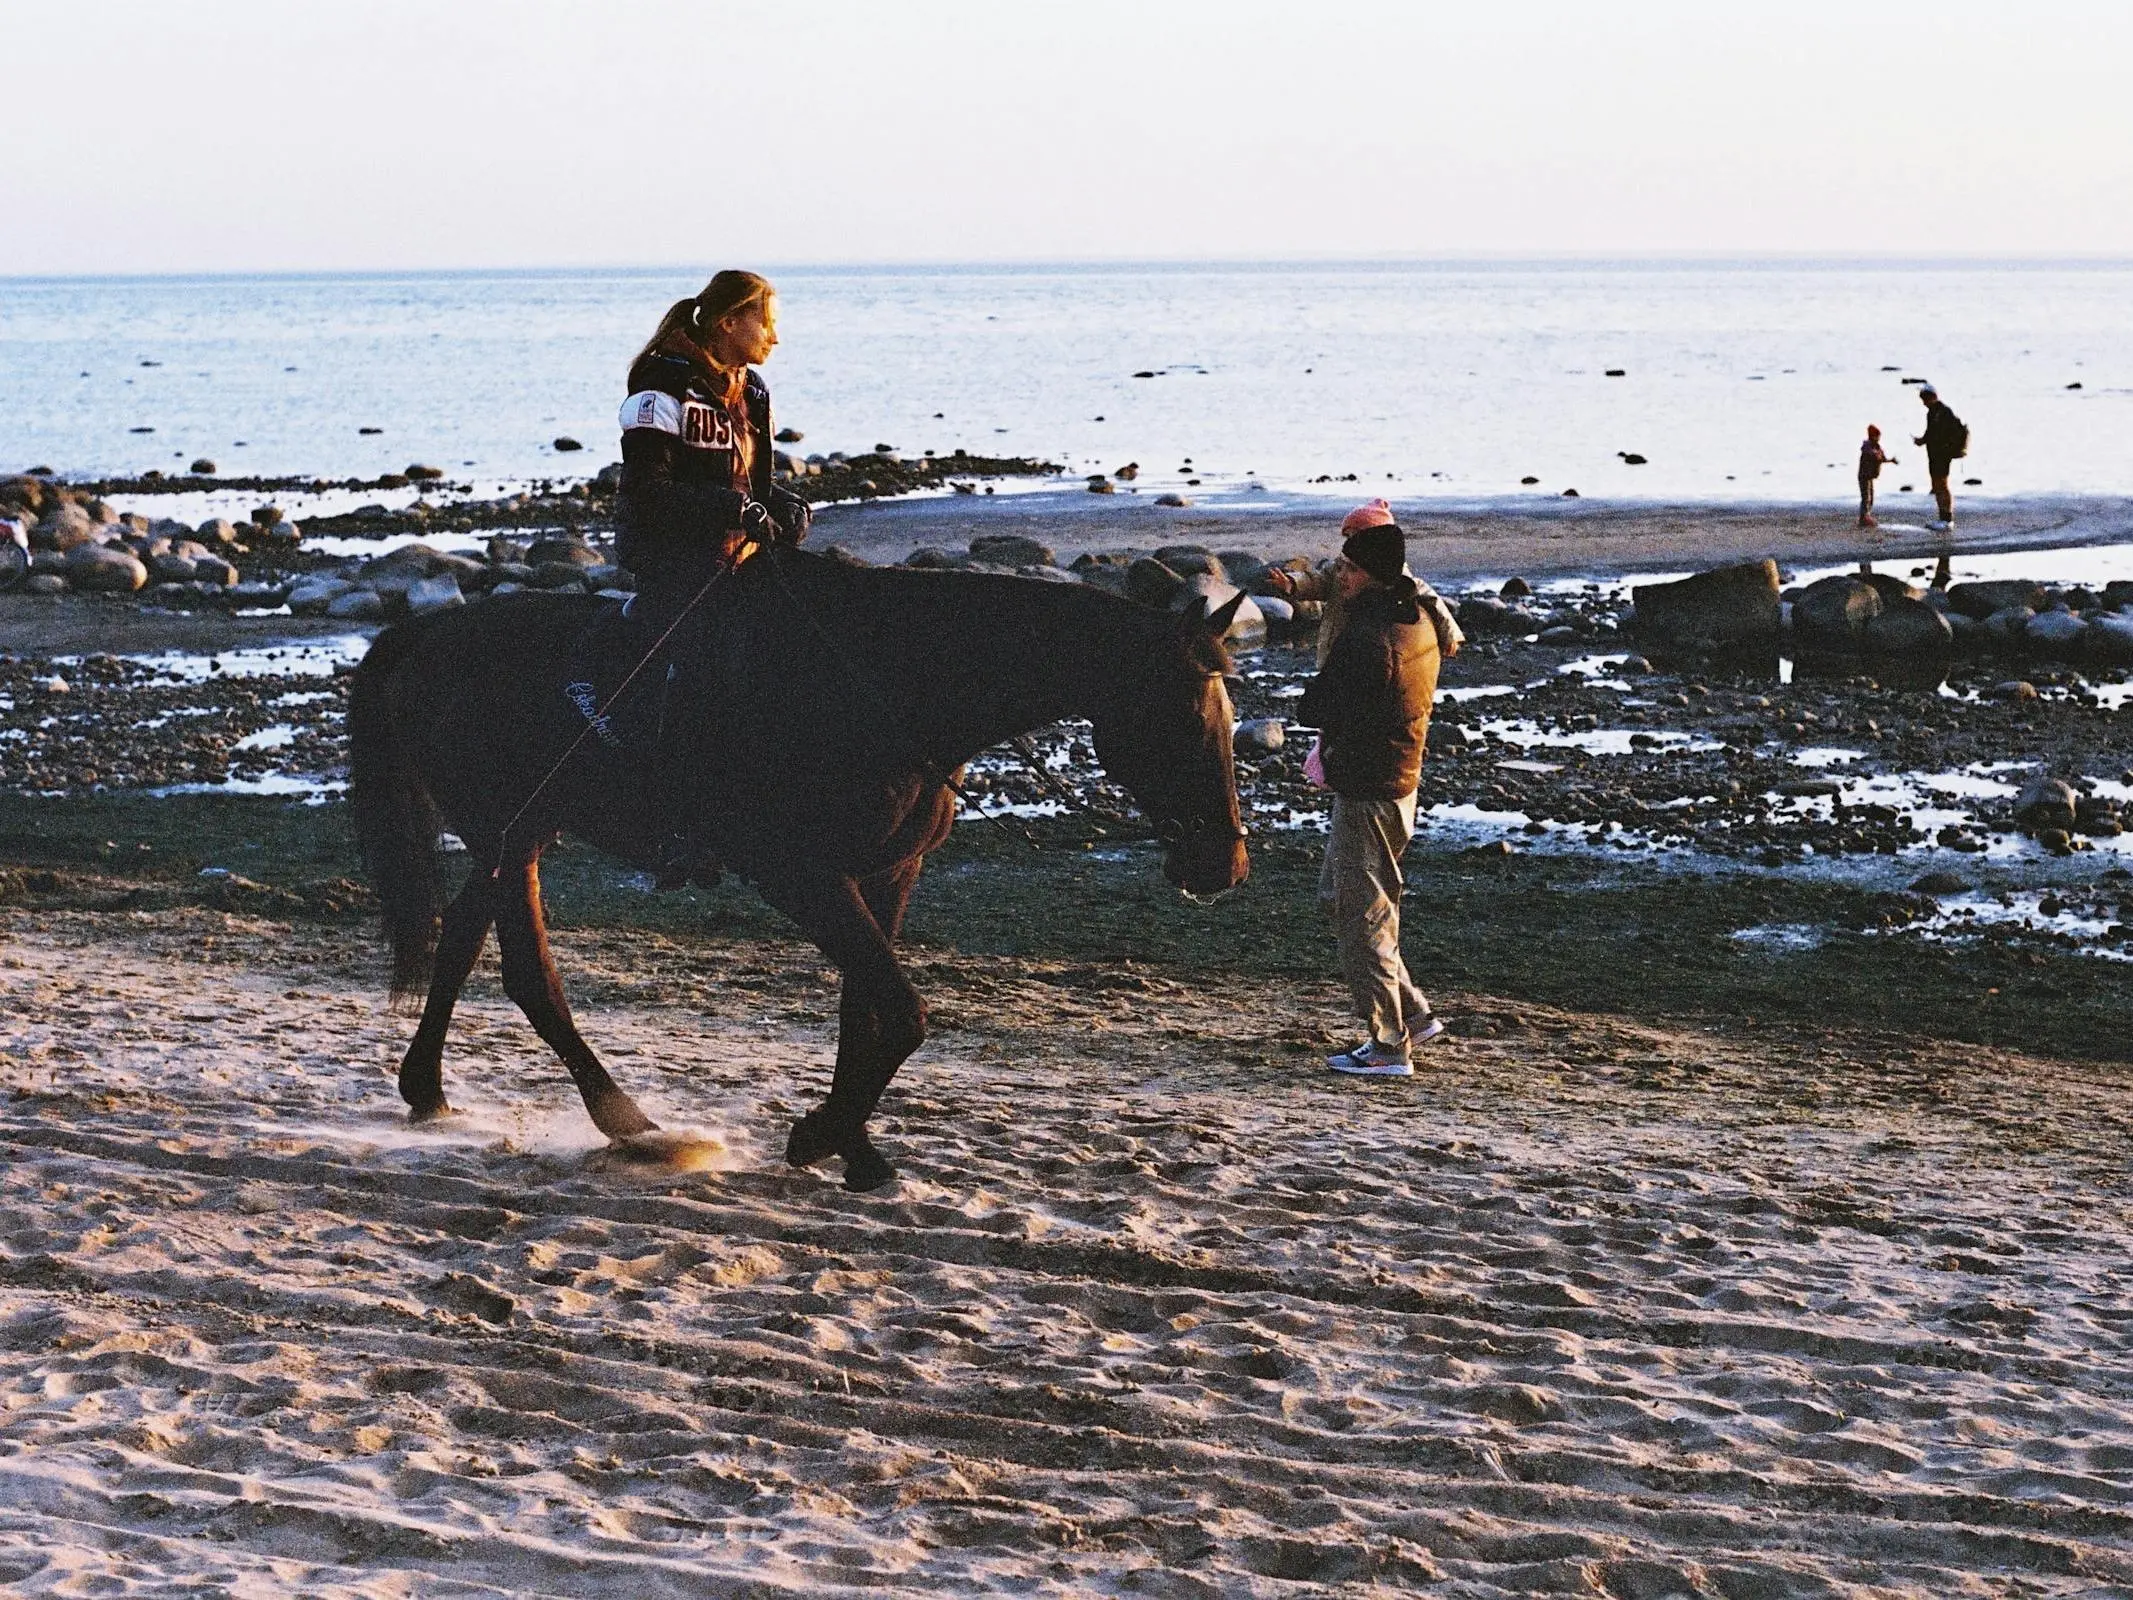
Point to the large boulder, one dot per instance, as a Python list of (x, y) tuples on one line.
[(545, 552), (311, 596), (1910, 630), (1152, 582), (434, 594), (1484, 616), (1982, 600), (1833, 613), (2046, 803), (1247, 629), (2110, 639), (2005, 629), (2059, 634), (216, 531), (103, 568), (1011, 550), (1192, 560), (357, 605), (1730, 611), (2117, 595), (63, 527)]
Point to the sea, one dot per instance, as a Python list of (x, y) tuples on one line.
[(1677, 380)]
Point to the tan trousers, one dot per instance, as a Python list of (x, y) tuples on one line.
[(1360, 885)]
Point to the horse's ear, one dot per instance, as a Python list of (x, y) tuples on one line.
[(1218, 623), (1194, 615)]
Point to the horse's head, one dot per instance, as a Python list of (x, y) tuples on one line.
[(1166, 737)]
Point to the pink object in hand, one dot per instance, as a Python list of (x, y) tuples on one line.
[(1315, 764)]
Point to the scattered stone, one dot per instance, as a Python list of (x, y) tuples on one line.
[(1529, 482), (565, 443), (1940, 883), (1279, 613), (202, 468), (1099, 484), (790, 436), (1261, 734), (1515, 589), (418, 473), (2012, 689), (44, 583), (1170, 498)]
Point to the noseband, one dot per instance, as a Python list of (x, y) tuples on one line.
[(1189, 831)]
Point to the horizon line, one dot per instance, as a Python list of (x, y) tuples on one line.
[(1879, 260)]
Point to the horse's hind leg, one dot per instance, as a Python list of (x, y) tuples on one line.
[(530, 979), (459, 940)]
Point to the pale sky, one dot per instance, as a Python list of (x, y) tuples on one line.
[(234, 135)]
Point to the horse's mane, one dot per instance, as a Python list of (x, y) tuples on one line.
[(954, 598)]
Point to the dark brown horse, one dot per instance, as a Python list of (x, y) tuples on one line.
[(839, 703)]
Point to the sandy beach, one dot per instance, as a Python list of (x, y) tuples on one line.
[(1535, 537), (1593, 1306)]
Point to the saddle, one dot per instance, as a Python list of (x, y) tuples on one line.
[(610, 648)]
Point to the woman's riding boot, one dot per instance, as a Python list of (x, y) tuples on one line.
[(684, 857)]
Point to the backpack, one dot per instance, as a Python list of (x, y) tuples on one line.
[(1962, 436)]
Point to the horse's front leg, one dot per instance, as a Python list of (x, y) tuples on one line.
[(464, 929), (880, 1021), (531, 980)]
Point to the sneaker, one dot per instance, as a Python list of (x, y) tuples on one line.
[(1428, 1031), (1373, 1060), (1940, 526)]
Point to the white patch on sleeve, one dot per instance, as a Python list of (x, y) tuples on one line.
[(651, 409)]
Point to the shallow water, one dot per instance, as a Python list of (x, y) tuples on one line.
[(1741, 379)]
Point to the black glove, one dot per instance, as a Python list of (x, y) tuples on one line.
[(756, 521), (794, 515)]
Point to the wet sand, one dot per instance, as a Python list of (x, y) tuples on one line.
[(1540, 537), (1593, 1306)]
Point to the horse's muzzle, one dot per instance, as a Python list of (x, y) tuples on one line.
[(1204, 858)]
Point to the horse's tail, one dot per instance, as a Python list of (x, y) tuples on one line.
[(396, 821)]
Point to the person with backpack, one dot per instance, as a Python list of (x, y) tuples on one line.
[(1946, 441)]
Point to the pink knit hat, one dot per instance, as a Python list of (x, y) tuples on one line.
[(1377, 514)]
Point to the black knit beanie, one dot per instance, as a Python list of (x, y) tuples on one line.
[(1379, 551)]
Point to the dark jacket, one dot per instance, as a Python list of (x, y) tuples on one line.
[(1371, 700), (1945, 435), (684, 498)]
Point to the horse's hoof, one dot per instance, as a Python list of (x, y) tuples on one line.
[(619, 1117), (809, 1143), (433, 1111), (865, 1170)]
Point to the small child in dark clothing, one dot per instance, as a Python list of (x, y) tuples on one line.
[(1871, 460)]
